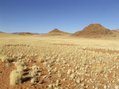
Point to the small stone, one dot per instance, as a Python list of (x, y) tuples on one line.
[(69, 71), (72, 76), (50, 86), (57, 82), (0, 72), (77, 80)]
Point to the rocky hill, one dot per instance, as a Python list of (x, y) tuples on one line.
[(57, 32), (94, 30)]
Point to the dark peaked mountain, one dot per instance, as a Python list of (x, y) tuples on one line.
[(57, 32), (94, 30)]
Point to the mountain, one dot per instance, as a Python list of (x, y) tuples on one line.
[(25, 33), (57, 32), (1, 32), (116, 30), (4, 34), (94, 30)]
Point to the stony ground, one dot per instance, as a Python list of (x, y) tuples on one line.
[(65, 63)]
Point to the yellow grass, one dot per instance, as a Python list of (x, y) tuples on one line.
[(87, 62)]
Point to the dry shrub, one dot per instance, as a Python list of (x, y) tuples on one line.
[(34, 73), (7, 59), (4, 58), (16, 77), (20, 65)]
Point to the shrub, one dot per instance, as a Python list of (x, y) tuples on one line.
[(4, 58), (20, 66), (34, 80), (15, 77), (35, 71), (7, 59), (34, 74)]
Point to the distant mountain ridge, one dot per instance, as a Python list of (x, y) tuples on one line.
[(1, 32), (92, 30), (116, 30), (25, 33)]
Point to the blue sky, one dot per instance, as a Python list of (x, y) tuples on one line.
[(68, 15)]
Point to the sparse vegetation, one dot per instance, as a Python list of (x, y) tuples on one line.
[(16, 77), (62, 63), (34, 73)]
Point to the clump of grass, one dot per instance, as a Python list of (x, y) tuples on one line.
[(54, 86), (7, 59), (22, 73), (34, 73), (16, 77), (4, 58), (20, 65)]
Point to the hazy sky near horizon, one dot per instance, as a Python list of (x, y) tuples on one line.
[(68, 15)]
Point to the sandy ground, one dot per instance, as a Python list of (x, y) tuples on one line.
[(65, 46)]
